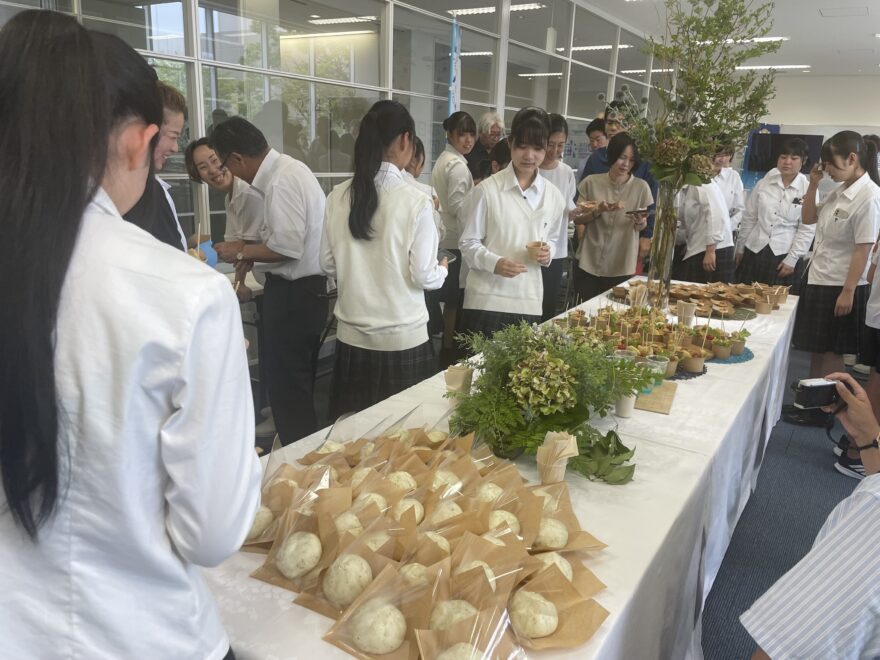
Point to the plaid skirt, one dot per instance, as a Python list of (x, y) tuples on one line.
[(691, 269), (362, 377), (817, 330), (488, 323), (761, 267)]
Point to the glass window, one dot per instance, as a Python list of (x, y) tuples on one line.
[(593, 40), (182, 195), (477, 66), (584, 87), (578, 147), (422, 46), (481, 14), (534, 79), (338, 112), (328, 39), (632, 57), (542, 24), (157, 27), (428, 115)]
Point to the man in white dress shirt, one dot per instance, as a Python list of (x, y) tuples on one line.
[(295, 305), (155, 212)]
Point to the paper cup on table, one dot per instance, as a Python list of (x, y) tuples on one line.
[(625, 405), (535, 248), (686, 311)]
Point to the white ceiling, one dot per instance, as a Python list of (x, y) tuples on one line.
[(839, 45)]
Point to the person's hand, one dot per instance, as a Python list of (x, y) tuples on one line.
[(739, 258), (227, 250), (784, 270), (436, 202), (858, 417), (844, 303), (644, 247), (640, 220), (816, 174), (244, 293), (509, 268), (444, 263), (242, 268), (543, 256), (709, 261), (607, 207)]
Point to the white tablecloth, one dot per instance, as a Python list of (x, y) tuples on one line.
[(666, 531)]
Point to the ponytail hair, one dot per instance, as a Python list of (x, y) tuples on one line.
[(53, 161), (384, 122), (460, 123), (849, 142)]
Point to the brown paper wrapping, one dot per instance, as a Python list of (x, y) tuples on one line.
[(413, 602), (505, 476), (509, 564), (458, 379), (313, 596), (579, 619), (578, 539), (291, 522), (525, 506), (488, 632)]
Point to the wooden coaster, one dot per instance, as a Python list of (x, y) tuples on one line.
[(659, 400)]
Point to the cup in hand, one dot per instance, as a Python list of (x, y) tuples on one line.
[(535, 248)]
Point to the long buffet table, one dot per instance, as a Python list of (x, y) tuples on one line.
[(667, 530)]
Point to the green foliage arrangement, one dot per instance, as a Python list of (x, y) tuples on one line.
[(532, 380), (602, 457), (707, 103)]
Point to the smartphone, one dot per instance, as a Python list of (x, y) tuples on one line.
[(815, 393), (637, 211), (449, 256)]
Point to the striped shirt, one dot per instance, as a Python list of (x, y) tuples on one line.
[(828, 605)]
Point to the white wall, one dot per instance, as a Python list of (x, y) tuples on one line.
[(826, 104)]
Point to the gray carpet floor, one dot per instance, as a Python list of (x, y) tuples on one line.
[(797, 489)]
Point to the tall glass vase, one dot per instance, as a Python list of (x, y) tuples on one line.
[(662, 245)]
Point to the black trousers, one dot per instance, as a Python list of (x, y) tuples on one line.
[(552, 276), (294, 314)]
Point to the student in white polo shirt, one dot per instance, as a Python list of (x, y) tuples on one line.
[(831, 309), (380, 243), (295, 305), (502, 216), (730, 184)]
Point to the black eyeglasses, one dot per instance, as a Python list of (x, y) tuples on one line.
[(224, 161)]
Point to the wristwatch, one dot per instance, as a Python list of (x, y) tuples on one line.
[(239, 256)]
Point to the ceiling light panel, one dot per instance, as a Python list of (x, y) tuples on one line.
[(473, 11), (341, 21)]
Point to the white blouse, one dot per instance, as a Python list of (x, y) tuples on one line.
[(160, 475), (562, 176), (244, 212), (731, 186), (452, 180), (773, 217)]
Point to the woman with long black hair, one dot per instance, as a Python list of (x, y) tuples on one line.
[(380, 244), (126, 423), (831, 310)]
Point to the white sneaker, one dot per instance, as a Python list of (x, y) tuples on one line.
[(862, 369), (848, 359)]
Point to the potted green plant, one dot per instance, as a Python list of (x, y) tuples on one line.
[(532, 380), (704, 100), (721, 347)]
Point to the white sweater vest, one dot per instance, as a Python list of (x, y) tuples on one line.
[(511, 224), (379, 307)]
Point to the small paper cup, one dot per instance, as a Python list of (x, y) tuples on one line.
[(534, 248)]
